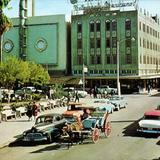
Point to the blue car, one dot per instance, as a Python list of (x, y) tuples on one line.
[(103, 105)]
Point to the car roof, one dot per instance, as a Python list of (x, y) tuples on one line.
[(152, 113)]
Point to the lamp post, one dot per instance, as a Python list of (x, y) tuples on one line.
[(84, 70), (118, 64)]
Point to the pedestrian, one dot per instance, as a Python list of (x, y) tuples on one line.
[(149, 90), (29, 112), (76, 97), (35, 110)]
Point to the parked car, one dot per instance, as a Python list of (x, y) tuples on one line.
[(150, 123), (82, 93), (107, 90), (118, 101), (47, 128), (103, 105)]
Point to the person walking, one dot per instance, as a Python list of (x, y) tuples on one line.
[(35, 110), (29, 112), (76, 97)]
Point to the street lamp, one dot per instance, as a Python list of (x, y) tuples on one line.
[(118, 64)]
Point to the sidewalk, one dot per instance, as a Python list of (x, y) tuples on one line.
[(13, 128)]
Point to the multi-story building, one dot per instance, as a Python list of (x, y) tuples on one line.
[(95, 35)]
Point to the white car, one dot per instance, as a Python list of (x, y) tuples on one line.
[(81, 93), (150, 122)]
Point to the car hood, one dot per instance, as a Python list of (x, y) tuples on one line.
[(149, 123)]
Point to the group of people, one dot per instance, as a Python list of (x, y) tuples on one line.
[(32, 111)]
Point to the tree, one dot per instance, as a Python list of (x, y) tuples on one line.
[(38, 75), (5, 23), (13, 70)]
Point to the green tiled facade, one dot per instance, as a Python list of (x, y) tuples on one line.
[(94, 43), (45, 42)]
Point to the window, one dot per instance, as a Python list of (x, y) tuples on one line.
[(108, 26), (108, 44), (98, 26), (98, 43), (128, 24), (98, 59), (147, 29), (140, 42), (151, 45), (79, 28), (128, 42), (108, 59), (91, 26), (140, 26), (79, 44), (92, 59), (144, 27), (114, 25), (114, 59), (91, 42), (80, 59), (128, 59), (114, 42)]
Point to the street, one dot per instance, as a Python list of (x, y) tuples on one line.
[(123, 144)]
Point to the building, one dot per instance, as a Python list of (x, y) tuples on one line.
[(41, 39), (95, 34)]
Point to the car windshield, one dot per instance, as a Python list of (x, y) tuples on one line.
[(46, 119), (151, 117)]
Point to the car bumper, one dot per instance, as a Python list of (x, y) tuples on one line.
[(148, 131)]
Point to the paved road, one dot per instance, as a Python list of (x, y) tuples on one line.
[(124, 143)]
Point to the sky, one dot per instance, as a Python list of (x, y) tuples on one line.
[(52, 7)]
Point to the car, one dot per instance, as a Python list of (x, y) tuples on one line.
[(81, 93), (118, 101), (103, 105), (47, 128), (107, 89), (150, 123)]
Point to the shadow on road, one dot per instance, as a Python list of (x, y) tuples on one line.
[(131, 131), (156, 158)]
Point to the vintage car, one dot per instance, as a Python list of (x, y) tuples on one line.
[(118, 101), (103, 105), (150, 123), (47, 127)]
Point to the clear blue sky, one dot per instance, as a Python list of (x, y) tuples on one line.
[(51, 7)]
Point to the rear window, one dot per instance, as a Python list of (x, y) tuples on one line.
[(152, 117)]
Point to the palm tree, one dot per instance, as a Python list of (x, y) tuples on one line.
[(5, 23)]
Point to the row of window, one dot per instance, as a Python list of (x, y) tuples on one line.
[(109, 59), (107, 71), (109, 26), (149, 60), (148, 30), (149, 45)]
